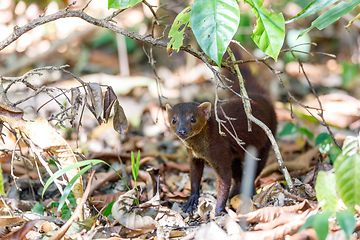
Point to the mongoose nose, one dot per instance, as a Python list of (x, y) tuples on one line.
[(182, 132)]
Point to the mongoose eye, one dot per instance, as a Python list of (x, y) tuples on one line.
[(193, 119), (174, 121)]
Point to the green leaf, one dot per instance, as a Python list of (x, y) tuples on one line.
[(64, 170), (321, 138), (72, 199), (320, 224), (311, 9), (107, 210), (308, 223), (176, 33), (269, 33), (334, 153), (347, 222), (306, 132), (288, 129), (351, 22), (65, 212), (79, 164), (326, 190), (326, 145), (332, 15), (122, 4), (350, 72), (135, 165), (347, 175), (214, 23), (38, 208), (325, 141), (2, 191), (351, 146), (68, 187), (301, 46)]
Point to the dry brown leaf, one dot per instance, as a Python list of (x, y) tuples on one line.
[(7, 220), (95, 95), (168, 219), (206, 206), (101, 201), (210, 231), (120, 122), (241, 206), (10, 112), (76, 100), (276, 233), (109, 99), (47, 227), (270, 213), (300, 163), (283, 219), (20, 234), (340, 109), (308, 234), (132, 217)]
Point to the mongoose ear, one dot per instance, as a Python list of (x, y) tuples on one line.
[(205, 108), (168, 107)]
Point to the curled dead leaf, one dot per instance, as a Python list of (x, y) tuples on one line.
[(96, 98), (268, 214), (10, 111), (21, 232), (76, 100), (206, 206), (109, 100), (120, 122), (133, 217)]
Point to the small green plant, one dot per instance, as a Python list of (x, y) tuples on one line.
[(343, 183), (327, 145), (324, 140), (290, 128), (135, 166), (38, 208), (87, 164)]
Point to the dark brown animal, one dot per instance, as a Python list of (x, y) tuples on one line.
[(197, 128)]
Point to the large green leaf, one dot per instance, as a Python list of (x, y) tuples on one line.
[(288, 129), (122, 4), (347, 175), (312, 8), (214, 23), (326, 190), (347, 222), (351, 146), (176, 33), (319, 222), (332, 15), (269, 33)]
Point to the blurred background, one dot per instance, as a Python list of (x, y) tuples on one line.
[(99, 55)]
